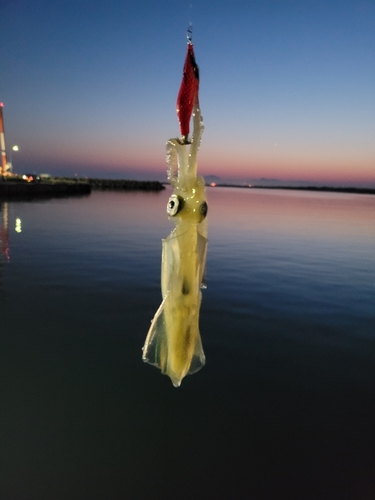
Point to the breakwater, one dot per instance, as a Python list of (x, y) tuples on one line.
[(127, 185), (14, 189), (11, 187)]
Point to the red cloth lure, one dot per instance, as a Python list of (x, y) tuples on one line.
[(188, 93)]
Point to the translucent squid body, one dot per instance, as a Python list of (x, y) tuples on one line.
[(173, 342)]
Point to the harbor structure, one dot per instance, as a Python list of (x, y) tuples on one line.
[(4, 165)]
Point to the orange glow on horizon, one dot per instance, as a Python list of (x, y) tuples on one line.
[(241, 164)]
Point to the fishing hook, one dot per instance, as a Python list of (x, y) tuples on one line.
[(189, 34)]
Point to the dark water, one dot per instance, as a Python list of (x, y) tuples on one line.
[(285, 406)]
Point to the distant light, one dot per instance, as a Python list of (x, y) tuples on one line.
[(15, 148), (24, 177), (213, 184), (1, 104), (250, 185)]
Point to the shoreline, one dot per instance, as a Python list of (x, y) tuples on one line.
[(72, 186), (352, 190)]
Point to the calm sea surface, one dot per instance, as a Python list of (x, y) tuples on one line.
[(285, 406)]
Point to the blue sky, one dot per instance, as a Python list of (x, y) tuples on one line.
[(287, 87)]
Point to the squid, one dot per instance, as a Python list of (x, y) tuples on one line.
[(173, 343)]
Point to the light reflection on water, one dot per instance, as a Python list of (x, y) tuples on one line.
[(287, 323)]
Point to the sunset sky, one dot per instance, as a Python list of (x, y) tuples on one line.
[(287, 88)]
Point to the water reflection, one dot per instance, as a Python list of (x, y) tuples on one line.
[(18, 226), (4, 240), (303, 255), (4, 233), (287, 323), (285, 214)]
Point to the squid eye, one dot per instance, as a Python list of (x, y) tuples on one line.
[(174, 205), (203, 209)]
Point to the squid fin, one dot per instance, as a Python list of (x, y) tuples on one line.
[(155, 349), (199, 359), (157, 352)]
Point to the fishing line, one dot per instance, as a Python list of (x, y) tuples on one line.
[(189, 33)]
